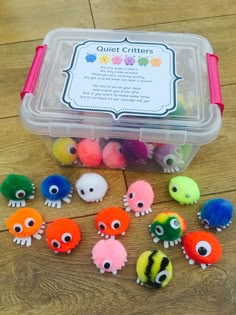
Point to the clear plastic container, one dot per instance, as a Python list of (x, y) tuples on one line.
[(123, 100)]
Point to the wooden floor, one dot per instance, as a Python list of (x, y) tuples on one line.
[(36, 281)]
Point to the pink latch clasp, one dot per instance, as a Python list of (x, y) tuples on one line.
[(214, 81), (34, 71)]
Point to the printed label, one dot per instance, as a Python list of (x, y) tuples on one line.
[(122, 78)]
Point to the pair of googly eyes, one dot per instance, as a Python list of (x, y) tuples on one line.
[(139, 203), (29, 222), (203, 248), (174, 223), (65, 238), (116, 224), (83, 193)]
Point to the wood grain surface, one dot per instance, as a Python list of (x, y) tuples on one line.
[(35, 280)]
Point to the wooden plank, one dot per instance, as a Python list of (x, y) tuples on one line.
[(30, 19), (15, 59), (123, 14), (36, 281), (222, 43)]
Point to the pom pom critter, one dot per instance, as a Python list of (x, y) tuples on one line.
[(109, 255), (24, 224), (184, 190), (201, 247), (91, 187), (56, 188), (63, 235), (136, 152), (154, 269), (139, 198), (169, 157), (216, 213), (111, 222), (17, 188), (89, 152), (112, 155), (168, 227), (65, 150)]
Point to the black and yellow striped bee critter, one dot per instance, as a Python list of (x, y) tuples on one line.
[(154, 269)]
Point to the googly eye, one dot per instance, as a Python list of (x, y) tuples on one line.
[(174, 189), (20, 194), (131, 195), (178, 150), (115, 224), (102, 226), (159, 230), (140, 204), (54, 189), (174, 223), (119, 149), (107, 264), (169, 159), (71, 149), (82, 192), (55, 244), (205, 221), (18, 228), (29, 222), (203, 248), (161, 276), (66, 237), (91, 189)]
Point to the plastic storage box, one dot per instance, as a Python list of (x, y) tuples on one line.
[(123, 100)]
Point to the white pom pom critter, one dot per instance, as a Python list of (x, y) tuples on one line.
[(91, 187)]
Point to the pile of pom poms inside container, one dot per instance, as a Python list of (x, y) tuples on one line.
[(153, 267)]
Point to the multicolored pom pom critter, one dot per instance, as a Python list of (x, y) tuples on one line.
[(63, 235), (168, 227), (216, 213), (154, 269), (139, 198), (24, 224), (201, 247), (91, 187), (65, 151), (56, 188), (109, 255), (112, 222), (184, 190), (17, 188)]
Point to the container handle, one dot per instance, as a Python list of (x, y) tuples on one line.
[(34, 71), (214, 81)]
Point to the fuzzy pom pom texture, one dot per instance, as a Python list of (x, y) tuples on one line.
[(56, 188), (112, 222), (17, 188), (109, 255), (24, 224), (91, 187), (139, 198), (63, 235)]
